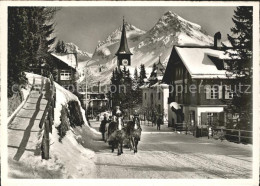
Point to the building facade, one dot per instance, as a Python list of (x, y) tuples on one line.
[(199, 86), (66, 68), (155, 93)]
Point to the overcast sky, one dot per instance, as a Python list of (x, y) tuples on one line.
[(85, 26)]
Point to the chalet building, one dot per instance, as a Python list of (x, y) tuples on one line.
[(199, 85), (66, 68), (155, 93)]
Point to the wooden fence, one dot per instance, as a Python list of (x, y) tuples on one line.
[(48, 116), (234, 135)]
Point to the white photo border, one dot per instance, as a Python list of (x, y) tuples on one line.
[(3, 59)]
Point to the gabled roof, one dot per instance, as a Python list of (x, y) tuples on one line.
[(123, 48), (69, 59), (198, 62)]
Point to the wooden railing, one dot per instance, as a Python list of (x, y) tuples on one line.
[(234, 135), (48, 116)]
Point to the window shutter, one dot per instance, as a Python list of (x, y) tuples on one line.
[(207, 89), (226, 93), (204, 118), (220, 92), (221, 117)]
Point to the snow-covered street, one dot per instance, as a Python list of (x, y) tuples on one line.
[(167, 154), (161, 154)]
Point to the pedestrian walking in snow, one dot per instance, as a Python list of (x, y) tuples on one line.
[(102, 127), (159, 122)]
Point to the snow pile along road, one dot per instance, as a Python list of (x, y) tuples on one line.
[(68, 158)]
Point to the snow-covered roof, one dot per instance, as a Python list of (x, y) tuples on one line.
[(198, 63), (69, 59)]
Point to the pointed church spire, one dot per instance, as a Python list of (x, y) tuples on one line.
[(123, 48)]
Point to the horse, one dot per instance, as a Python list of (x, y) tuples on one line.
[(134, 132), (116, 135)]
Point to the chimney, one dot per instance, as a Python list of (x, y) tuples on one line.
[(217, 40)]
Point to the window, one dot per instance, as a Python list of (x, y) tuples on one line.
[(228, 92), (214, 92), (210, 118), (226, 66), (65, 75), (144, 95), (159, 95)]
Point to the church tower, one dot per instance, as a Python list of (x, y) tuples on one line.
[(123, 54)]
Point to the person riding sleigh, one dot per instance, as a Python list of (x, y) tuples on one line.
[(118, 115), (136, 119)]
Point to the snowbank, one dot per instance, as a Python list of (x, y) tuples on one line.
[(76, 161), (63, 97), (68, 159)]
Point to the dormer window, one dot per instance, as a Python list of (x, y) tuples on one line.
[(217, 62), (226, 66)]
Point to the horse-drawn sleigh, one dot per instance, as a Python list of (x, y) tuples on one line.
[(119, 133)]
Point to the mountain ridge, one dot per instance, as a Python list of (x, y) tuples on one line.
[(147, 46)]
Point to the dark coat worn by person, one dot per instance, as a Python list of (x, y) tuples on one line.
[(159, 122), (102, 127)]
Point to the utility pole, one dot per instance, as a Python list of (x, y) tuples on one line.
[(86, 94)]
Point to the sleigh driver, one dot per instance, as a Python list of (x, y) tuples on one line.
[(136, 120), (118, 117)]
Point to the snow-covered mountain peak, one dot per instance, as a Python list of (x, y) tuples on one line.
[(116, 35), (72, 48), (146, 47), (171, 22), (82, 55)]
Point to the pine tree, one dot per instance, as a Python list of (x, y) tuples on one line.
[(153, 70), (127, 93), (135, 80), (60, 47), (241, 64), (63, 47), (57, 47), (17, 53), (142, 75), (27, 40)]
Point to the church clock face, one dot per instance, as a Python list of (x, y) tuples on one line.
[(125, 62)]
